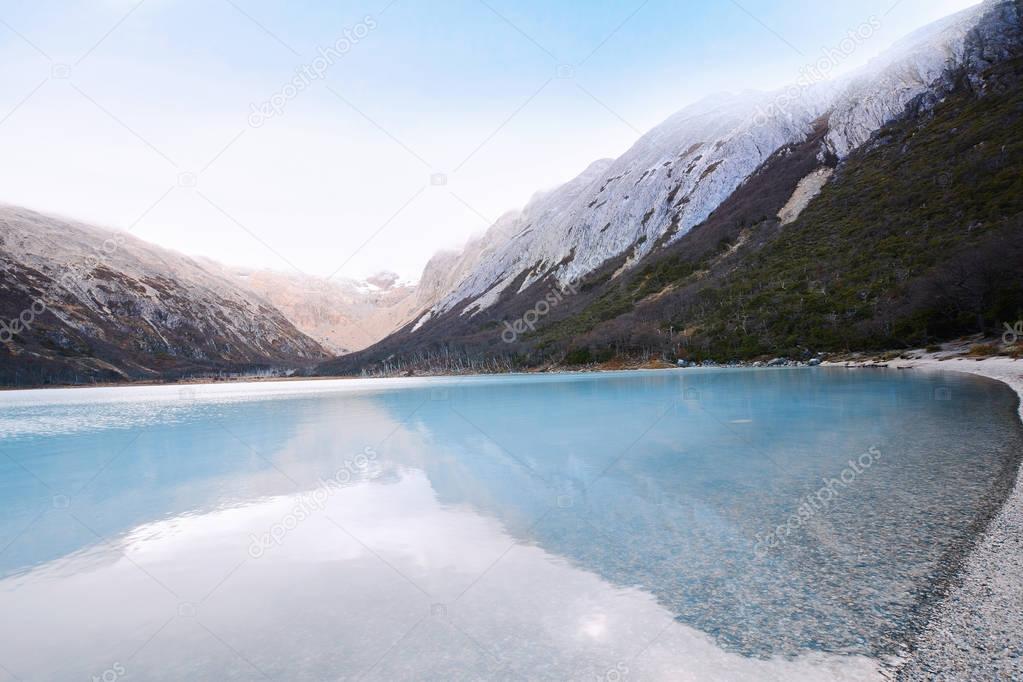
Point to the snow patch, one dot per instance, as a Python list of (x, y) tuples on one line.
[(423, 320)]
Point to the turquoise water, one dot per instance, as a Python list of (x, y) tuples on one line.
[(641, 525)]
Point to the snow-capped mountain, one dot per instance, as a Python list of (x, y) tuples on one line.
[(83, 303), (676, 175), (697, 202)]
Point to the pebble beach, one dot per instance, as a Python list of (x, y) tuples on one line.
[(976, 632)]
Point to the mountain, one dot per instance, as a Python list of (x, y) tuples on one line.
[(696, 240), (878, 210), (81, 304), (110, 307), (342, 315)]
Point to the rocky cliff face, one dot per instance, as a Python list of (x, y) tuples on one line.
[(676, 175), (80, 303), (921, 66)]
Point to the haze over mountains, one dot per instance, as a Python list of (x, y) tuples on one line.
[(644, 243), (340, 314)]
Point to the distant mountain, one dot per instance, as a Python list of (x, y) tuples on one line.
[(342, 315), (81, 304), (711, 200)]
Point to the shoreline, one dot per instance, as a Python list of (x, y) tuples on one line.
[(974, 629), (241, 379), (872, 360)]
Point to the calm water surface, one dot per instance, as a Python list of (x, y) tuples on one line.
[(746, 524)]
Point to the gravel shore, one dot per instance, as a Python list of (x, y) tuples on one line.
[(976, 633)]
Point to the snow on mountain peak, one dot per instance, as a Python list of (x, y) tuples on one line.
[(675, 175)]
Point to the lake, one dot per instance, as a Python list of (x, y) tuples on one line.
[(707, 524)]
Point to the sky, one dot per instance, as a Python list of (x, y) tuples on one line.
[(341, 138)]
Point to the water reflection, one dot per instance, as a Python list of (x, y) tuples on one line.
[(545, 528)]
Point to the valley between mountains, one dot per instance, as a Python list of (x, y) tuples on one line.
[(878, 211)]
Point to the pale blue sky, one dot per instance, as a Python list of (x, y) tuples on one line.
[(102, 128)]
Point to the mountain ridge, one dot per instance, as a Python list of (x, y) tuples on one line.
[(676, 174), (470, 319), (83, 304)]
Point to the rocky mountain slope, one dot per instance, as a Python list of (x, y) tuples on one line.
[(81, 304), (699, 196), (678, 173), (872, 211)]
